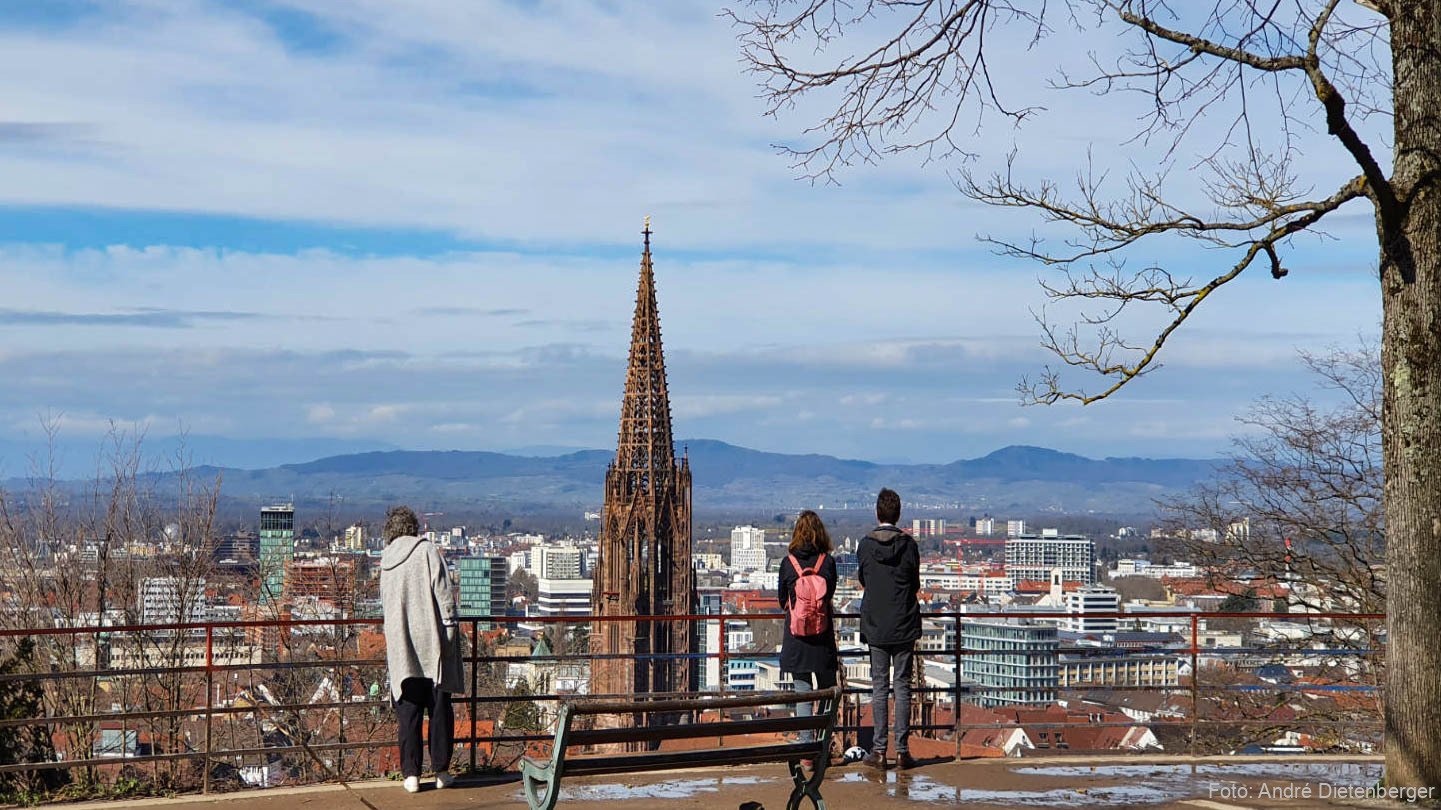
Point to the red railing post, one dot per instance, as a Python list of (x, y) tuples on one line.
[(1195, 680), (474, 685), (957, 681), (209, 702)]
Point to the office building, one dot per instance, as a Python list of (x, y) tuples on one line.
[(927, 527), (482, 587), (556, 562), (1031, 558), (277, 549), (1118, 669), (1013, 662), (171, 600), (1083, 605), (563, 597), (748, 550)]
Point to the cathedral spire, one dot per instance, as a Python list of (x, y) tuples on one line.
[(644, 566), (645, 441)]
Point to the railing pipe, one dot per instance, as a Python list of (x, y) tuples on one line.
[(209, 705), (474, 687), (1195, 679)]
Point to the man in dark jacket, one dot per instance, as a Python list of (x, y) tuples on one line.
[(890, 573)]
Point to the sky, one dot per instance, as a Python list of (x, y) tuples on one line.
[(417, 225)]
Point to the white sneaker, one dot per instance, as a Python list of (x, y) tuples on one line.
[(443, 780), (412, 784)]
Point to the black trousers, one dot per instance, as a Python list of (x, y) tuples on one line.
[(418, 697)]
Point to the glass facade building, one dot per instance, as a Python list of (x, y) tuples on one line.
[(482, 587), (277, 550), (1016, 662)]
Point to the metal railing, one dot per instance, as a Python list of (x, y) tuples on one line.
[(310, 739)]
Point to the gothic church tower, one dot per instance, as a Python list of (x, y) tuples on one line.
[(645, 564)]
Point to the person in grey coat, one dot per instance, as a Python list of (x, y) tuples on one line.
[(422, 645)]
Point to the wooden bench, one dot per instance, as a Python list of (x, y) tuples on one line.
[(542, 778)]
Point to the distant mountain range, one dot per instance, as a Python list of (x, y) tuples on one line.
[(1011, 480)]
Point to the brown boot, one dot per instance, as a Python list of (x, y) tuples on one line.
[(875, 759)]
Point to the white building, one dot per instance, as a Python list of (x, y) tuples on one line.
[(748, 550), (563, 597), (927, 527), (770, 678), (763, 580), (556, 562), (940, 579), (1033, 558), (708, 562), (519, 561), (1082, 606), (987, 583), (164, 600), (1146, 568)]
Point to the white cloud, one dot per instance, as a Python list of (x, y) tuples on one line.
[(497, 121)]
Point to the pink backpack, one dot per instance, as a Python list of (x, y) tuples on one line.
[(808, 607)]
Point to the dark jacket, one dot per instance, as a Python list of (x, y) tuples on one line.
[(807, 654), (890, 572)]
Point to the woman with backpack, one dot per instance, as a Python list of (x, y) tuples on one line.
[(807, 583)]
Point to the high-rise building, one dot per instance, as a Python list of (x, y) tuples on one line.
[(1015, 661), (556, 562), (644, 566), (927, 527), (563, 597), (239, 547), (171, 600), (277, 548), (1033, 558), (482, 587), (748, 549), (1082, 606)]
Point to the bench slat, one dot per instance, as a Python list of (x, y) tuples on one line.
[(666, 760), (773, 725), (779, 698)]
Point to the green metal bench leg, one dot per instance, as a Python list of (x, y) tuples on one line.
[(552, 790), (806, 787)]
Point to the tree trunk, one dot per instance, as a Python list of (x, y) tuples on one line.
[(1411, 416)]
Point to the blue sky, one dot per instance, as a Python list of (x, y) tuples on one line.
[(416, 225)]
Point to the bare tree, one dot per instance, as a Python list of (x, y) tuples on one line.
[(1300, 503), (1300, 498), (921, 75)]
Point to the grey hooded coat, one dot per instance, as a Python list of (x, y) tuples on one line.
[(421, 640)]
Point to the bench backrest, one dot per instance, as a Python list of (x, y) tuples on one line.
[(821, 722)]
